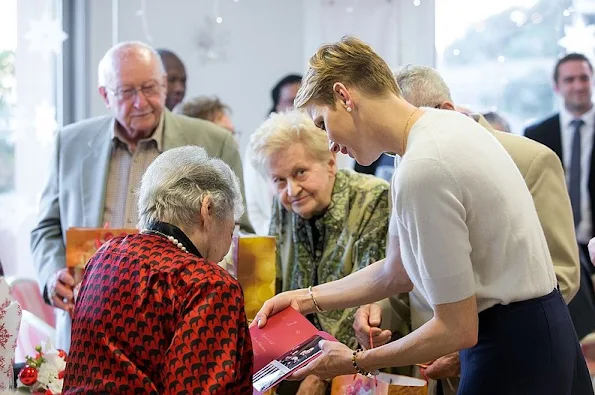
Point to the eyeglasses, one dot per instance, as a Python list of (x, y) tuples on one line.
[(148, 90)]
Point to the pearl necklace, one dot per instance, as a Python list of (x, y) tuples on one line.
[(170, 238)]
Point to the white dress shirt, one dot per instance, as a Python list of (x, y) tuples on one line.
[(584, 229)]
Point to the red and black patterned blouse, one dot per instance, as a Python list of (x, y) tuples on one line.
[(151, 318)]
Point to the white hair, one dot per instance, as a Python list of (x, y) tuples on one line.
[(176, 183), (422, 86), (280, 131), (122, 52)]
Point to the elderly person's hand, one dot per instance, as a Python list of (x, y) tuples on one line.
[(367, 321), (445, 367), (312, 385), (60, 290), (591, 247), (334, 361)]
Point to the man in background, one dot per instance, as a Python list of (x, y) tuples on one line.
[(569, 134), (176, 78), (98, 163)]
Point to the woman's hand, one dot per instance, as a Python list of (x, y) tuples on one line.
[(299, 299), (334, 361)]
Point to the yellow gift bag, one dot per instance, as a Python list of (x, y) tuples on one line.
[(255, 268)]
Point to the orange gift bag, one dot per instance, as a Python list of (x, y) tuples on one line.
[(81, 244), (385, 384)]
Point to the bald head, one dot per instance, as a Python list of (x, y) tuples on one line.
[(422, 86), (124, 55), (132, 84), (176, 77)]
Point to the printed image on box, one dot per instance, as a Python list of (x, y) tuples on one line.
[(272, 373)]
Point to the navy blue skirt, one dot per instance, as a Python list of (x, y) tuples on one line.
[(526, 348)]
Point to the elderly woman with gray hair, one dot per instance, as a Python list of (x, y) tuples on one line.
[(328, 222), (155, 314)]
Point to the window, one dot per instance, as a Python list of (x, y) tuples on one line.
[(31, 38), (499, 56), (8, 42)]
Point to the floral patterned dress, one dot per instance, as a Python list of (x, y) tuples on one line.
[(350, 235)]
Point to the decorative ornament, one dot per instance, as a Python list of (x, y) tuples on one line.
[(212, 40), (28, 375), (46, 36), (44, 374), (579, 38), (45, 122)]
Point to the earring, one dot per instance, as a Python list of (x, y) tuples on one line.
[(348, 109)]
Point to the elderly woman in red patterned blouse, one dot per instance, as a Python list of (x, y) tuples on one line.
[(155, 314)]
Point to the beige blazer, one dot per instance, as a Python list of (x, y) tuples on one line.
[(74, 194), (544, 175)]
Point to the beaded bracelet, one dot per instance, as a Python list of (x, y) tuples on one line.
[(314, 300), (358, 369)]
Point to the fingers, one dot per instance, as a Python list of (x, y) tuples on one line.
[(302, 372), (60, 290), (382, 338), (366, 322), (443, 367), (66, 278), (64, 292), (265, 311), (63, 297), (375, 315), (360, 319), (433, 371)]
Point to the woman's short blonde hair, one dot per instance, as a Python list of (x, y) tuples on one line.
[(282, 130), (351, 62)]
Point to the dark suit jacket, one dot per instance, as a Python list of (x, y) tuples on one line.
[(582, 307), (548, 133)]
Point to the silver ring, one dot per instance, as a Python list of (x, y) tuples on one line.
[(65, 300)]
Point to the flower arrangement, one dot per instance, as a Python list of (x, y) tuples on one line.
[(44, 373)]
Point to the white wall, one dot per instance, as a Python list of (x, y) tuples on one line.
[(398, 30), (262, 39)]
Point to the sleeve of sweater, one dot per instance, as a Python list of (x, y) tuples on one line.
[(431, 215)]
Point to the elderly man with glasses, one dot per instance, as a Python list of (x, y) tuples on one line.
[(98, 163)]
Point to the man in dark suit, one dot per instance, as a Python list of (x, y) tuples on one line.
[(570, 135)]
